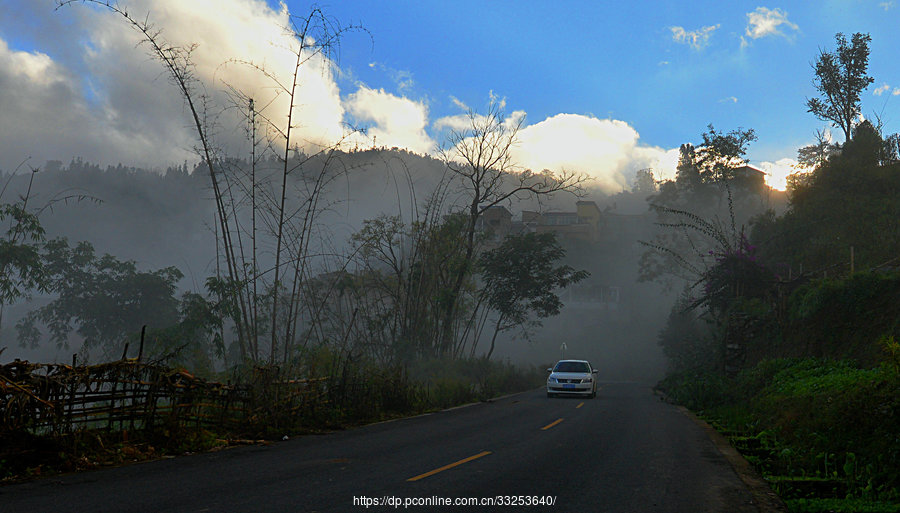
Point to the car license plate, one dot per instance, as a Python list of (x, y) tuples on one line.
[(568, 385)]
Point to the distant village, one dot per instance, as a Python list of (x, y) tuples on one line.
[(587, 225)]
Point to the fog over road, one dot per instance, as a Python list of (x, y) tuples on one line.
[(624, 451)]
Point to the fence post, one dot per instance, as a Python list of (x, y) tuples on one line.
[(141, 348), (73, 387)]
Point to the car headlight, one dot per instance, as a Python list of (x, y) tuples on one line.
[(551, 379), (587, 380)]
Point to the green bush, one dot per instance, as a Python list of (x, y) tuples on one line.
[(698, 389), (813, 418), (843, 318), (455, 381), (840, 506)]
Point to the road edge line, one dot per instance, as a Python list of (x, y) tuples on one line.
[(492, 399), (461, 406)]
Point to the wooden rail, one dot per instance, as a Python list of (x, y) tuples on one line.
[(56, 399)]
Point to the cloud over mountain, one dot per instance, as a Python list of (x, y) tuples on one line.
[(607, 150), (95, 92)]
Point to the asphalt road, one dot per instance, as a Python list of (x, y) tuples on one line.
[(625, 451)]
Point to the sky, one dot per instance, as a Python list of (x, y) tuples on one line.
[(602, 88)]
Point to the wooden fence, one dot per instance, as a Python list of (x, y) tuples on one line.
[(57, 399)]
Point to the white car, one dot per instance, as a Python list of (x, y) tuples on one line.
[(572, 377)]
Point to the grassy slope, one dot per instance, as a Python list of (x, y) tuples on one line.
[(832, 427)]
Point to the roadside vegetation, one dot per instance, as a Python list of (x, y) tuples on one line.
[(786, 335), (822, 432), (100, 417)]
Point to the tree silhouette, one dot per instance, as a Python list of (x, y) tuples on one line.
[(840, 78)]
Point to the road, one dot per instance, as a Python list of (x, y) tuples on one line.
[(625, 451)]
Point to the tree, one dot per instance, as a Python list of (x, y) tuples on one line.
[(736, 274), (480, 157), (179, 69), (867, 147), (290, 217), (644, 183), (410, 271), (720, 153), (520, 277), (701, 210), (815, 155), (685, 339), (840, 78), (194, 341), (713, 160), (21, 269), (103, 299), (687, 174), (849, 201)]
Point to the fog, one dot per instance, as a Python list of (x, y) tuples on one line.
[(611, 318), (111, 103), (162, 218)]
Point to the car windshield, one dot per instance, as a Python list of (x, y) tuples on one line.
[(572, 367)]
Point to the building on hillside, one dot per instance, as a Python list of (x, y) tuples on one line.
[(582, 224), (593, 230), (587, 223), (495, 223), (750, 178)]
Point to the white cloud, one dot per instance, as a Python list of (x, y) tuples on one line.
[(463, 122), (764, 22), (398, 121), (608, 151), (402, 78), (135, 116), (730, 99), (459, 104), (46, 116), (115, 104), (777, 172), (697, 39), (884, 88), (605, 149), (887, 5), (458, 123), (34, 67)]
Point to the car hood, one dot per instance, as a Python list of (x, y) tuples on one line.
[(570, 375)]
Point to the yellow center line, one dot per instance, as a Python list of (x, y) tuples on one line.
[(580, 405), (550, 425), (445, 467)]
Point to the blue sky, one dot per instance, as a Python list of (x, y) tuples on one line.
[(606, 88)]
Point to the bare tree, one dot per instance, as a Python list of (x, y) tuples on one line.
[(287, 225), (480, 156), (180, 70)]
